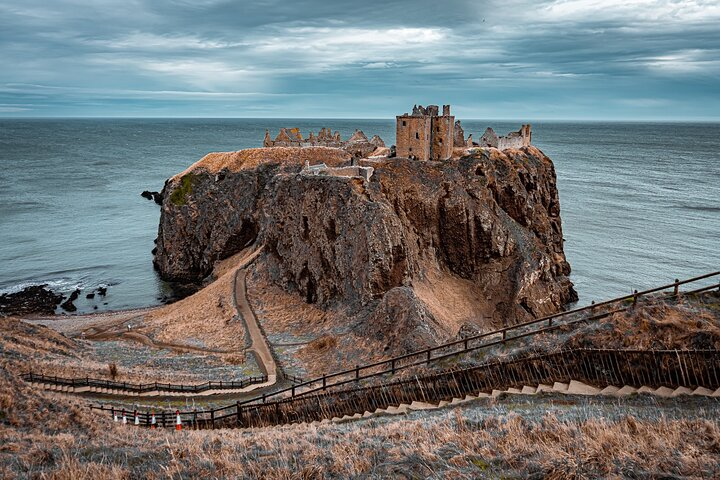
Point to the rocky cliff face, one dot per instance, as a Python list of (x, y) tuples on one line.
[(421, 251)]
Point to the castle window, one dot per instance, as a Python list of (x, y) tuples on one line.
[(404, 123), (440, 141), (417, 135), (410, 149)]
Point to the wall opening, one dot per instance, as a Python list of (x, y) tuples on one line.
[(404, 123), (417, 136)]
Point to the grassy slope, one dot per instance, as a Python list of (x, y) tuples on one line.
[(556, 437)]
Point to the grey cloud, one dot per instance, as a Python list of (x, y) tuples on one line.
[(349, 58)]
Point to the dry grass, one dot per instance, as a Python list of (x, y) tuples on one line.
[(452, 300), (461, 443), (284, 314), (252, 157), (46, 435), (688, 324)]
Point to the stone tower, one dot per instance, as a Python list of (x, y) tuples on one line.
[(425, 134)]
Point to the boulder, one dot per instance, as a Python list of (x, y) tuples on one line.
[(35, 299)]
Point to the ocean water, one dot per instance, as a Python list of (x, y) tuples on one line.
[(640, 202)]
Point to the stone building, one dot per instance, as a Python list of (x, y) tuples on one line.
[(357, 145), (519, 139), (425, 134)]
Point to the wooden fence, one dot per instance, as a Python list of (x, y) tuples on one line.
[(668, 368), (141, 388)]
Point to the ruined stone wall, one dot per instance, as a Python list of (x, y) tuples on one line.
[(443, 137), (511, 141), (413, 136)]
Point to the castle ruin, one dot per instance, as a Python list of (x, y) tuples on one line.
[(357, 145), (426, 135), (519, 139)]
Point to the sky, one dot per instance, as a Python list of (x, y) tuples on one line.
[(506, 59)]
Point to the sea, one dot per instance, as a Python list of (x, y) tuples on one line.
[(640, 202)]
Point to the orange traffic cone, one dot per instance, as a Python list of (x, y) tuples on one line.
[(178, 422), (115, 419), (124, 418), (153, 422)]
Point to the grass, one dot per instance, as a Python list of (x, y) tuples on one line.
[(179, 196)]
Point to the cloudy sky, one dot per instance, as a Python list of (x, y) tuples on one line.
[(563, 59)]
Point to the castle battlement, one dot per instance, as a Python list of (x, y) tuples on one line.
[(357, 145), (425, 134)]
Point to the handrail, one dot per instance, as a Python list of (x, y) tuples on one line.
[(466, 341), (503, 331), (392, 362), (634, 367), (143, 387)]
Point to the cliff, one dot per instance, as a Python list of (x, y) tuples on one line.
[(417, 254)]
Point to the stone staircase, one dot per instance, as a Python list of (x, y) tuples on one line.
[(571, 388)]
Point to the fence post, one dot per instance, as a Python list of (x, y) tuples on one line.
[(324, 382), (550, 322), (428, 356), (293, 391), (212, 418), (635, 297), (239, 413), (392, 366), (466, 344), (357, 372), (676, 289), (162, 415), (504, 335)]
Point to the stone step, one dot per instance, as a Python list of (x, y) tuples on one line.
[(681, 391), (610, 390), (544, 388), (664, 392), (645, 389), (513, 390), (560, 387), (528, 390), (421, 406), (702, 391), (579, 388), (626, 390)]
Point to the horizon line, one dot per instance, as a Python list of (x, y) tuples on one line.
[(500, 119)]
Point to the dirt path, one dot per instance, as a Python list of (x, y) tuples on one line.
[(259, 345)]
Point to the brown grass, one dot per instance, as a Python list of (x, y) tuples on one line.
[(206, 315), (252, 157)]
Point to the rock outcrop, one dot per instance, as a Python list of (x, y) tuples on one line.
[(421, 251), (31, 300)]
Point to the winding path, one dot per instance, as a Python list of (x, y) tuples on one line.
[(258, 344)]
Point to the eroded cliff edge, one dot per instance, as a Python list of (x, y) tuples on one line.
[(421, 252)]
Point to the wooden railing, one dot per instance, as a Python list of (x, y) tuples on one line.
[(593, 312), (324, 384), (141, 388), (653, 368)]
